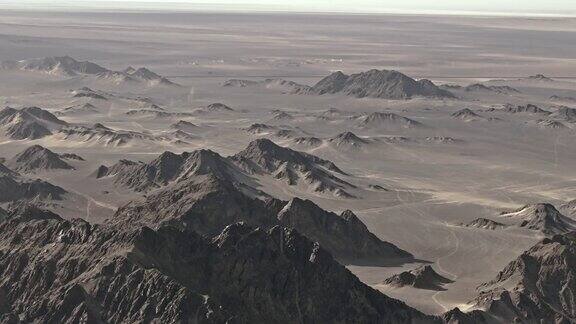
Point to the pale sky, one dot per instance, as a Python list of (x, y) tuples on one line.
[(545, 7)]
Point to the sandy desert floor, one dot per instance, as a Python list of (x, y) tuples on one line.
[(452, 171)]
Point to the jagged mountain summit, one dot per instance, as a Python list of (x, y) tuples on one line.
[(37, 158), (378, 84), (423, 277), (29, 123), (243, 275), (542, 217), (537, 287)]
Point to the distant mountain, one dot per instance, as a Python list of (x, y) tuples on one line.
[(70, 67), (563, 98), (537, 287), (542, 217), (29, 123), (387, 120), (86, 92), (479, 87), (114, 274), (423, 277), (280, 85), (217, 107), (185, 126), (37, 158), (57, 65), (378, 84)]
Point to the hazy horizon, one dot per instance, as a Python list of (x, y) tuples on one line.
[(490, 7)]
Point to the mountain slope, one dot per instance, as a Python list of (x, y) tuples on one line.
[(136, 274), (37, 158)]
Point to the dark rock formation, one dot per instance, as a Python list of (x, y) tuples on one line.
[(478, 87), (14, 188), (538, 287), (466, 115), (57, 271), (348, 140), (542, 217), (529, 108)]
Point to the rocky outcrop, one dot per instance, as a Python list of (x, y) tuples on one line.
[(378, 84), (542, 217), (37, 158), (102, 135), (423, 277), (479, 87), (537, 287), (345, 235), (71, 271), (281, 85)]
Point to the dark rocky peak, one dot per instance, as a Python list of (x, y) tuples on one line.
[(484, 223), (217, 107), (343, 235), (529, 108), (385, 119), (348, 139), (542, 217), (465, 114)]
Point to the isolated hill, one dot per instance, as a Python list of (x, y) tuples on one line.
[(347, 140), (423, 277), (14, 188), (28, 123), (539, 77), (466, 115), (537, 287), (70, 67), (282, 115), (217, 107), (387, 120), (263, 156), (542, 217), (378, 84), (259, 128), (484, 223), (243, 274), (37, 158), (529, 108), (157, 114)]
